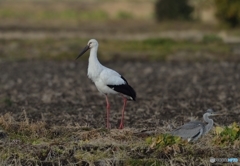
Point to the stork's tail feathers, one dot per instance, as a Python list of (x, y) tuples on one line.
[(130, 93)]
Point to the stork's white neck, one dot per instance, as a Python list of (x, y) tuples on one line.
[(93, 60), (94, 66)]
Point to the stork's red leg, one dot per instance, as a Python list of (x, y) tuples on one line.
[(108, 112), (124, 105)]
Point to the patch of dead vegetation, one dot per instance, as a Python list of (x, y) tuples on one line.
[(37, 143)]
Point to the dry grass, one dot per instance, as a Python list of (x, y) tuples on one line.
[(37, 143)]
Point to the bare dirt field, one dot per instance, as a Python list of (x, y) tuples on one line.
[(60, 93)]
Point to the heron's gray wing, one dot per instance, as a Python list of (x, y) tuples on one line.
[(189, 130)]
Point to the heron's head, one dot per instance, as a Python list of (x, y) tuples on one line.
[(210, 112), (91, 44)]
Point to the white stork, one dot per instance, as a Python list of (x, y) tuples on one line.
[(107, 80)]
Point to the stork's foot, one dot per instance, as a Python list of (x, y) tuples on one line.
[(108, 126), (121, 126)]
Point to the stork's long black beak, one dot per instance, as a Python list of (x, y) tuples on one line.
[(83, 51)]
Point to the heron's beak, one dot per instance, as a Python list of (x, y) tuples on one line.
[(217, 114), (83, 51)]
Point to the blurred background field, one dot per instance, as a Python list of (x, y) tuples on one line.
[(125, 29)]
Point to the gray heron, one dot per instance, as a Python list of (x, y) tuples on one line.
[(107, 80), (193, 130)]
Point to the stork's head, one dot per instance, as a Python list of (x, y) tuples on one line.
[(91, 44)]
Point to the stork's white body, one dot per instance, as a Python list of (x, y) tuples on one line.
[(107, 80)]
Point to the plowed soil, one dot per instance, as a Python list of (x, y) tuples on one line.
[(60, 93)]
